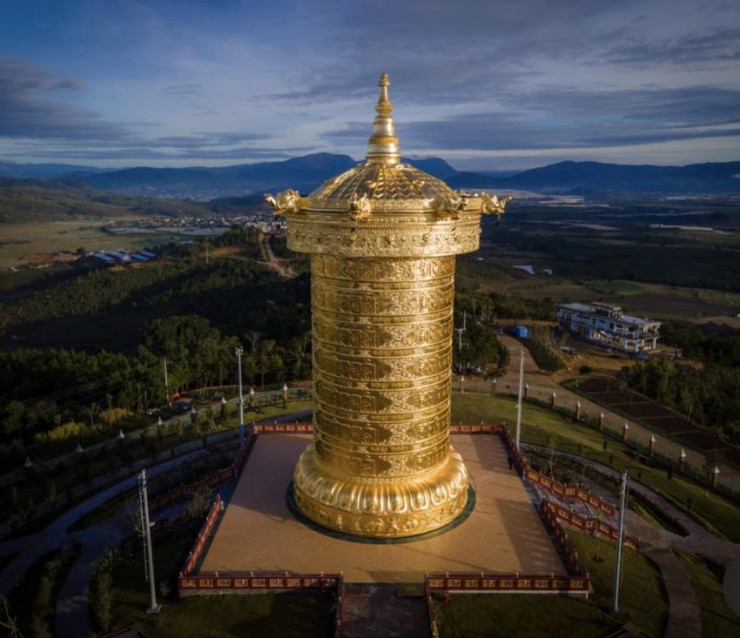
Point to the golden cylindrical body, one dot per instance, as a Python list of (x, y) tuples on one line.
[(382, 351), (382, 237)]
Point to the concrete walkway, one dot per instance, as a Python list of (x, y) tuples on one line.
[(684, 613), (698, 541)]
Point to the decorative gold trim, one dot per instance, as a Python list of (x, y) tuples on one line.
[(380, 509), (382, 238)]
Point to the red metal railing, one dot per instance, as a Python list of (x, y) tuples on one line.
[(505, 583), (283, 427), (573, 491), (259, 581), (231, 472), (587, 524), (202, 538)]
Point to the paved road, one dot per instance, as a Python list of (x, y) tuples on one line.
[(54, 536), (541, 386)]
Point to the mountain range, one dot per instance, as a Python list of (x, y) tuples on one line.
[(595, 177), (306, 172)]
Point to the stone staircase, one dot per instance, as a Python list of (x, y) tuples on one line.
[(384, 612)]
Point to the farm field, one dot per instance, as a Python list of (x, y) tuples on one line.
[(661, 301), (621, 253), (35, 242), (655, 416)]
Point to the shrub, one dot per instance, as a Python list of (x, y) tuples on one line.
[(62, 432), (545, 358), (112, 416)]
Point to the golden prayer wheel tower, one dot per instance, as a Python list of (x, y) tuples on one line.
[(382, 238)]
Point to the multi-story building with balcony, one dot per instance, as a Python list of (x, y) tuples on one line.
[(608, 326)]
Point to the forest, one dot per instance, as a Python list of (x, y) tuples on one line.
[(80, 345), (708, 394)]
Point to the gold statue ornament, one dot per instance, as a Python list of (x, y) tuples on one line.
[(382, 238)]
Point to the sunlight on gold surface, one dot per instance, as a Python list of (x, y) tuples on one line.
[(383, 238)]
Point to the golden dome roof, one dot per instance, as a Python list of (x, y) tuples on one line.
[(383, 207), (382, 176), (381, 181)]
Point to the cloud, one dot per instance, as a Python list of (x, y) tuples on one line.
[(718, 45), (201, 140), (26, 112), (161, 157), (579, 119), (478, 75), (182, 89), (441, 52)]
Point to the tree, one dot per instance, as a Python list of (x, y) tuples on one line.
[(13, 417)]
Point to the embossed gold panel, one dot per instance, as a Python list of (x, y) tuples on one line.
[(383, 238), (381, 464)]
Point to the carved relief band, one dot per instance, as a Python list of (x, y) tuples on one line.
[(383, 237)]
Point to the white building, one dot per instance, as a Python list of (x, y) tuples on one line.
[(608, 326)]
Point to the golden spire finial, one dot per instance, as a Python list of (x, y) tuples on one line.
[(383, 147)]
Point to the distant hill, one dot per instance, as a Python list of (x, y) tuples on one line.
[(307, 172), (43, 171), (302, 173), (23, 200), (434, 166), (575, 177)]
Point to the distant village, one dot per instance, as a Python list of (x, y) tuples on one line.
[(188, 229), (123, 257)]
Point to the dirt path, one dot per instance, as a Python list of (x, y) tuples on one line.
[(276, 264)]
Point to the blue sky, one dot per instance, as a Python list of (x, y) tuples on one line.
[(484, 84)]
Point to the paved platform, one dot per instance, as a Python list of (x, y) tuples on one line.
[(503, 534)]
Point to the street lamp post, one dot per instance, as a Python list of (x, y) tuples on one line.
[(239, 352), (148, 556), (624, 490), (521, 394)]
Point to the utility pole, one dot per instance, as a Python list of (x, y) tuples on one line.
[(521, 395), (166, 382), (460, 332), (239, 352), (147, 537), (624, 491)]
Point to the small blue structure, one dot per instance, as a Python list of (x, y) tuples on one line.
[(139, 257), (118, 254), (147, 253), (103, 257), (522, 332)]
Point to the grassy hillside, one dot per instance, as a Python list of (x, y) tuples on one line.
[(36, 200)]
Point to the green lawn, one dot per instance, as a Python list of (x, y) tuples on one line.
[(717, 619), (521, 616), (643, 603), (268, 615), (642, 598), (542, 426)]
